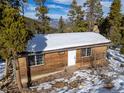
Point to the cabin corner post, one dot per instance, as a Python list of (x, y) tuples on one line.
[(28, 71), (93, 62), (18, 76), (66, 63), (23, 70)]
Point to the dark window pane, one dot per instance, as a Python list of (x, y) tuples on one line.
[(88, 51), (31, 60), (83, 52), (40, 59)]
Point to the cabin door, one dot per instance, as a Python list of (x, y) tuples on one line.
[(71, 58)]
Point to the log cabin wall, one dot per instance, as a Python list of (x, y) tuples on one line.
[(58, 61), (53, 62), (97, 57)]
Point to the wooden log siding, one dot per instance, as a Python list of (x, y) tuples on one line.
[(23, 66), (58, 61), (52, 62), (97, 57)]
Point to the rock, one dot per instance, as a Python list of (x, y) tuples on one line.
[(121, 65), (73, 84), (59, 84), (108, 85)]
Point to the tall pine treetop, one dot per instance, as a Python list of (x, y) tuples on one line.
[(115, 13), (115, 22), (94, 13), (75, 11), (41, 13), (76, 17)]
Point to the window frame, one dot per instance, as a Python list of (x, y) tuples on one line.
[(35, 59), (86, 52)]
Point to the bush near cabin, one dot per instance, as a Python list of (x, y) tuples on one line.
[(122, 50)]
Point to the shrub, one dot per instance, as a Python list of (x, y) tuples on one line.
[(122, 50)]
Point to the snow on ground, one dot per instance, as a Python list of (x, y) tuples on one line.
[(2, 66), (91, 81)]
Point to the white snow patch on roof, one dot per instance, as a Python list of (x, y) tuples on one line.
[(64, 40)]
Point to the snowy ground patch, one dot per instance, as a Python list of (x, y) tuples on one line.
[(2, 68), (91, 81)]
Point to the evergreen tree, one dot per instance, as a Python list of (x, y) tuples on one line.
[(115, 22), (76, 17), (104, 27), (42, 16), (2, 6), (94, 13), (4, 52), (122, 30), (122, 35), (14, 35), (61, 25)]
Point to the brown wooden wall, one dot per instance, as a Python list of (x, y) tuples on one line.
[(97, 57), (23, 66), (53, 62), (59, 60)]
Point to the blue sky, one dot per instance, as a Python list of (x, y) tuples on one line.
[(59, 8)]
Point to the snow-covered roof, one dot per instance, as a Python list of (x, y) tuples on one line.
[(64, 40)]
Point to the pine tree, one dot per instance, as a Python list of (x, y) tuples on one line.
[(115, 22), (14, 35), (76, 17), (4, 52), (104, 27), (122, 35), (122, 30), (42, 11), (61, 25), (94, 13), (2, 6)]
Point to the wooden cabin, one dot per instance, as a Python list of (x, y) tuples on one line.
[(55, 52)]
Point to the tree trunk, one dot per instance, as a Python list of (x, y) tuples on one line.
[(6, 68), (14, 69)]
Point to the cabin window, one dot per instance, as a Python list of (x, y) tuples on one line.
[(36, 59), (85, 52)]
